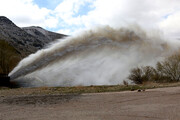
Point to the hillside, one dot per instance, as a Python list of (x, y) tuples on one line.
[(16, 43), (42, 34), (9, 57), (25, 40)]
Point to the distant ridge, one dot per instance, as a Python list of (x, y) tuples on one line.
[(42, 34)]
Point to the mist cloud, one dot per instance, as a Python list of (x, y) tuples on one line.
[(102, 56)]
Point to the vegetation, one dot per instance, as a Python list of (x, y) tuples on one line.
[(81, 89), (165, 71), (8, 57)]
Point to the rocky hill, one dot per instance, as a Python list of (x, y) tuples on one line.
[(42, 34), (25, 40)]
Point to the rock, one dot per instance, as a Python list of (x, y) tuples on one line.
[(139, 90)]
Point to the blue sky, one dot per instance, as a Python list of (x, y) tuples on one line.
[(72, 16), (50, 4)]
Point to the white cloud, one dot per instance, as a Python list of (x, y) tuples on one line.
[(159, 14), (147, 13), (51, 22), (171, 25), (65, 31), (26, 13), (120, 12), (68, 8)]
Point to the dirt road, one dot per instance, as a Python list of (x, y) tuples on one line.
[(154, 104)]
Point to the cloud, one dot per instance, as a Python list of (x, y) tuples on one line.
[(171, 24), (70, 16), (26, 13), (65, 31), (68, 9), (150, 14), (120, 12)]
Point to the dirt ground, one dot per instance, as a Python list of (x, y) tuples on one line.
[(153, 104)]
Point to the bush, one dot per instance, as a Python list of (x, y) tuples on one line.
[(165, 71), (143, 74), (125, 83), (149, 73)]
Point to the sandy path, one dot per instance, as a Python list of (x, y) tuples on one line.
[(155, 104)]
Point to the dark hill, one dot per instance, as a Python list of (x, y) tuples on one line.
[(25, 40)]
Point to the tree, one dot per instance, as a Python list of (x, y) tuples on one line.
[(136, 75), (143, 74), (170, 68)]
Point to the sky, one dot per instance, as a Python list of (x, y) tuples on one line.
[(72, 16)]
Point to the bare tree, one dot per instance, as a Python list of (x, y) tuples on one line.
[(143, 74), (136, 75), (170, 68)]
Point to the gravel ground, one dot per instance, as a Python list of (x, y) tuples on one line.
[(153, 104)]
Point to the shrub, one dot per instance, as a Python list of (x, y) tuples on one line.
[(143, 74), (136, 75), (149, 73), (165, 71), (125, 83)]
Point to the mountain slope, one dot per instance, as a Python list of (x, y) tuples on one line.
[(42, 34), (25, 40)]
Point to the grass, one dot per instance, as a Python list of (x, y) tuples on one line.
[(81, 89)]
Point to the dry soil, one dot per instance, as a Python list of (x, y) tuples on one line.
[(153, 104)]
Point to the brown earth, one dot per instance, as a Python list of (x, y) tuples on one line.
[(152, 104)]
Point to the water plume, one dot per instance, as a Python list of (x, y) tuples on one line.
[(103, 56)]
